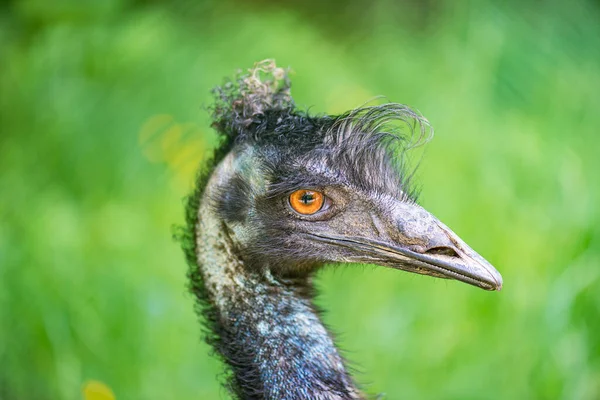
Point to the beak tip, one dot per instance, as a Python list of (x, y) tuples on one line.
[(497, 286)]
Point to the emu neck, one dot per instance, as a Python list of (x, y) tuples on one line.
[(267, 330)]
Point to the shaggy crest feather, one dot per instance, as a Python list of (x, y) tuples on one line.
[(243, 101)]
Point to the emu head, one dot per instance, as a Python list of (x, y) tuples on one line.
[(297, 191)]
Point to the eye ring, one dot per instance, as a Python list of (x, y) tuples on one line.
[(306, 201)]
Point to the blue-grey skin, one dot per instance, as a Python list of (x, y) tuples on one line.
[(253, 257)]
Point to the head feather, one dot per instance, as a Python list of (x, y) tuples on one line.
[(367, 145)]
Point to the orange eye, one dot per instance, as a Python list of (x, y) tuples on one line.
[(306, 202)]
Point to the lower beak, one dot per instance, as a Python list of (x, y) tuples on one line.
[(457, 262)]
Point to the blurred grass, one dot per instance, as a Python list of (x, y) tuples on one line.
[(102, 129)]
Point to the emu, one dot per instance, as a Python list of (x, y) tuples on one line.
[(285, 193)]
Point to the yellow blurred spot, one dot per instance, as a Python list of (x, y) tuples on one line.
[(154, 124), (186, 160), (170, 140), (178, 145), (95, 390), (151, 136)]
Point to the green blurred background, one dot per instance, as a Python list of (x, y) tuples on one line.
[(102, 128)]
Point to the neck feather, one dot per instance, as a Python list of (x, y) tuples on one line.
[(265, 329)]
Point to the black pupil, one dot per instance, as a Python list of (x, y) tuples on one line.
[(307, 198)]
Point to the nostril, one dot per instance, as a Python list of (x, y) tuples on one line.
[(444, 251)]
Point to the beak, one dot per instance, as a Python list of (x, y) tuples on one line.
[(416, 241), (425, 245)]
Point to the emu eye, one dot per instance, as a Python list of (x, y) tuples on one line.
[(306, 202)]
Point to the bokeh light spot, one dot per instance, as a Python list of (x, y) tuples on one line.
[(96, 390)]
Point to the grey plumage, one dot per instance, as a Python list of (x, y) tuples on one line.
[(252, 255)]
